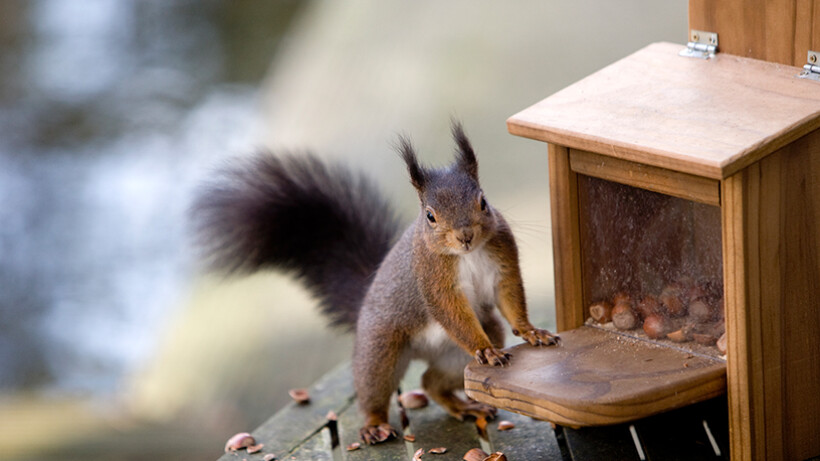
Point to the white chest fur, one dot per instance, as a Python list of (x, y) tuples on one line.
[(478, 277)]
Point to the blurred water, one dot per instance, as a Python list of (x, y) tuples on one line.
[(110, 112)]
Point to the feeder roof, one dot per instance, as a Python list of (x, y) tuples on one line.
[(707, 117)]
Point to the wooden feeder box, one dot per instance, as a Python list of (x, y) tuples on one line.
[(699, 177)]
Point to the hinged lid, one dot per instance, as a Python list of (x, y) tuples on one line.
[(811, 69), (701, 44), (710, 117)]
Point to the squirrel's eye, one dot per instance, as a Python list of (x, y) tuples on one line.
[(483, 204), (430, 216)]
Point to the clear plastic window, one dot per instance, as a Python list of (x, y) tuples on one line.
[(652, 265)]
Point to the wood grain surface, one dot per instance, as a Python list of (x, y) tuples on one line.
[(566, 244), (708, 118), (596, 377), (771, 217), (780, 31)]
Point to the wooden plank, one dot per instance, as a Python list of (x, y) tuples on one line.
[(433, 427), (316, 448), (780, 31), (530, 439), (566, 245), (295, 424), (596, 377), (707, 118), (772, 271), (807, 29), (349, 423), (734, 280), (798, 278), (610, 442), (686, 186)]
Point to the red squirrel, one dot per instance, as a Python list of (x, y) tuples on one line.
[(427, 293)]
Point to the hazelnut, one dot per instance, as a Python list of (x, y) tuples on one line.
[(623, 317), (699, 311), (410, 438), (437, 451), (621, 297), (413, 399), (497, 456), (647, 306), (655, 326), (601, 312), (417, 455), (672, 298), (269, 457)]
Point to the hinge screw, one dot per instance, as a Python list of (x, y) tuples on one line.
[(812, 58), (695, 37)]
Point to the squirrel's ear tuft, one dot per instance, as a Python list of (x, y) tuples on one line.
[(408, 154), (465, 156)]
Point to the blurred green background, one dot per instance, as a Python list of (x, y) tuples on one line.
[(113, 344)]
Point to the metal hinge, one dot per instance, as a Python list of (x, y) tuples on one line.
[(811, 69), (701, 45)]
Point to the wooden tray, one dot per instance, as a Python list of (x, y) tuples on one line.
[(596, 377)]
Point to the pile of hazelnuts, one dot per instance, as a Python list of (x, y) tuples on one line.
[(681, 312)]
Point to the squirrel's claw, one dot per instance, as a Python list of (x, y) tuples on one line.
[(372, 435), (539, 337), (492, 356)]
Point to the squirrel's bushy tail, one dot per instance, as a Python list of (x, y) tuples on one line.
[(328, 226)]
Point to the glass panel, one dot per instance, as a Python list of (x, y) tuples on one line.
[(652, 264)]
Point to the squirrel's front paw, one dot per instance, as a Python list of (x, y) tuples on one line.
[(492, 356), (539, 337)]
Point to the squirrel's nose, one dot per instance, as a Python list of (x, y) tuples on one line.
[(465, 236)]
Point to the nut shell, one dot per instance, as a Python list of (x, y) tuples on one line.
[(301, 396), (505, 425), (601, 312), (239, 441), (475, 454), (721, 343)]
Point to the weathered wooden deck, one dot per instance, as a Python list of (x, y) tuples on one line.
[(303, 432)]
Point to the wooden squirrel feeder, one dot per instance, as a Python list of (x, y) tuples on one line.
[(700, 177)]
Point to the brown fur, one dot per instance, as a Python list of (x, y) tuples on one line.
[(402, 304)]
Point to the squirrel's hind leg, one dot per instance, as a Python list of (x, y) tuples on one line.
[(376, 381), (441, 384)]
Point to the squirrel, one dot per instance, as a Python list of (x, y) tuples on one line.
[(429, 295)]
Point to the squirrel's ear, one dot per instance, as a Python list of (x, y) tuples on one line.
[(417, 173), (464, 151)]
